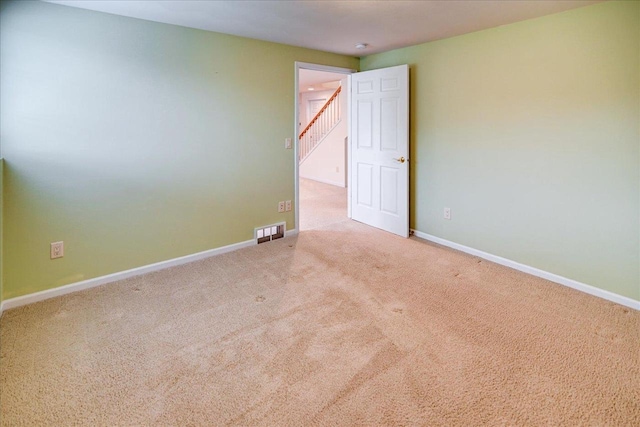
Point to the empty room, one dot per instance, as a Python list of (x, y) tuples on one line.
[(289, 213)]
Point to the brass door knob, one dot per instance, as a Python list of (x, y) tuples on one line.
[(401, 160)]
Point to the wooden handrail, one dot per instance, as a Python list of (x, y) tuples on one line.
[(324, 107)]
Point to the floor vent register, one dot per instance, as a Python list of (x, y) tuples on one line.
[(269, 233)]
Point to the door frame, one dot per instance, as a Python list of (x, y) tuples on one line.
[(296, 119)]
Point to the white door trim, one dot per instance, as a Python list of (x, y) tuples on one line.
[(296, 119)]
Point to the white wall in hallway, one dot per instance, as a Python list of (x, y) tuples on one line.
[(327, 163), (303, 104)]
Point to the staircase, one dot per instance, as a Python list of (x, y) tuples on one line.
[(320, 126)]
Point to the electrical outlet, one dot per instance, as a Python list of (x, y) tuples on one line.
[(57, 250), (337, 168), (287, 205), (280, 206), (287, 143), (447, 213)]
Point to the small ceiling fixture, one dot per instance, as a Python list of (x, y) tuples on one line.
[(361, 46), (310, 88)]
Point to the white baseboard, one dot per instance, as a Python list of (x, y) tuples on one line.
[(97, 281), (610, 296), (288, 233)]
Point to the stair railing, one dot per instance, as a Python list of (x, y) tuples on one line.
[(319, 126)]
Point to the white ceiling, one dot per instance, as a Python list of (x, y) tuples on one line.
[(318, 80), (336, 26)]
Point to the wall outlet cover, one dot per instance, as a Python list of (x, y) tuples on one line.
[(57, 250)]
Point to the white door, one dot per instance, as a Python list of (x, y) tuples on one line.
[(380, 148), (314, 106)]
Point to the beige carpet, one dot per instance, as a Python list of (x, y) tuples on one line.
[(321, 205), (348, 326)]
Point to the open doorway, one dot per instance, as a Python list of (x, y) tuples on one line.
[(322, 127), (377, 151)]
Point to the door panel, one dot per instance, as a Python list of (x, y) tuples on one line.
[(365, 124), (387, 84), (365, 86), (389, 112), (380, 148), (365, 184), (388, 193)]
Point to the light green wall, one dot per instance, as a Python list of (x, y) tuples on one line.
[(136, 142), (530, 134), (1, 227)]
